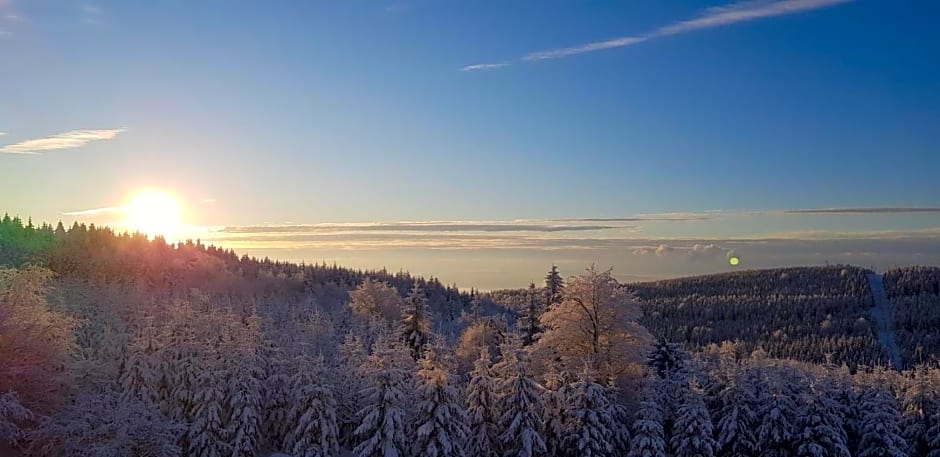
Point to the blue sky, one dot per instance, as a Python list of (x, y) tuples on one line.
[(318, 112)]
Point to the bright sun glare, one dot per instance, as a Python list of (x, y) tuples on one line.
[(154, 213)]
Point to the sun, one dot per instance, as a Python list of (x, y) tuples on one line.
[(154, 213)]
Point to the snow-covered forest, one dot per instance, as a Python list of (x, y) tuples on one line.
[(115, 345)]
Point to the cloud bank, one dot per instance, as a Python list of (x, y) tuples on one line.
[(414, 227), (67, 140)]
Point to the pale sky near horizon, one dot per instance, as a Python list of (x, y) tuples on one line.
[(522, 128)]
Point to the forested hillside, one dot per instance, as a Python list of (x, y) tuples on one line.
[(915, 294), (116, 345), (813, 314)]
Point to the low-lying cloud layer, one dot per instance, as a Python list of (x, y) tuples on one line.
[(494, 254), (415, 227)]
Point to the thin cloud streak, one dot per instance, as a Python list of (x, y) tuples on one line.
[(415, 227), (642, 218), (590, 47), (95, 211), (713, 17), (484, 66), (67, 140), (865, 211), (720, 16)]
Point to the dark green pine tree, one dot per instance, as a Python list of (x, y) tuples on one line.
[(529, 321)]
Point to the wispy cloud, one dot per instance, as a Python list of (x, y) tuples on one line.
[(416, 227), (713, 17), (67, 140), (90, 13), (581, 49), (720, 16), (484, 66), (95, 211), (664, 217), (865, 211)]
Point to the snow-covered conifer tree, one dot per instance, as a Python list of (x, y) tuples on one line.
[(555, 411), (313, 431), (277, 397), (245, 406), (554, 286), (441, 419), (692, 430), (880, 425), (12, 415), (777, 412), (415, 326), (106, 425), (919, 403), (737, 418), (588, 431), (207, 435), (483, 436), (648, 439), (138, 380), (620, 421), (520, 408), (351, 357), (667, 359), (382, 430), (821, 426)]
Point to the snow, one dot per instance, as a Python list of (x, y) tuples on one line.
[(882, 315)]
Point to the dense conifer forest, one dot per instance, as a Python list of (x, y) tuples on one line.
[(117, 345)]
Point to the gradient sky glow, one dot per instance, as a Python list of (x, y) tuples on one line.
[(260, 115)]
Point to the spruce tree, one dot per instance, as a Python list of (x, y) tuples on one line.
[(520, 408), (381, 431), (529, 320), (245, 401), (555, 412), (483, 436), (415, 329), (692, 430), (352, 356), (648, 439), (313, 431), (880, 425), (620, 421), (554, 287), (207, 435), (778, 410), (737, 419), (441, 418), (588, 432), (919, 402), (821, 424)]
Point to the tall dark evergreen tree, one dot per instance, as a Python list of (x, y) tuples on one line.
[(529, 320), (415, 329), (554, 287)]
